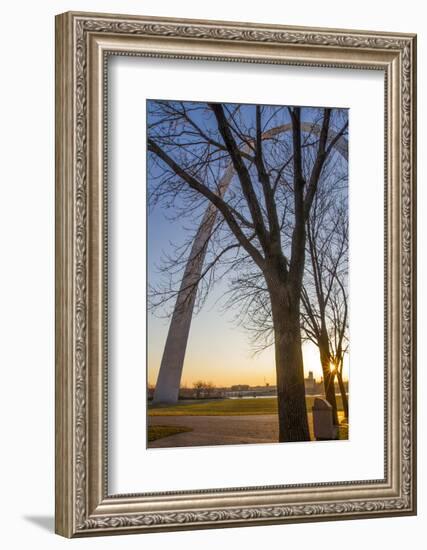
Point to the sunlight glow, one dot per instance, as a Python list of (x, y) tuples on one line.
[(228, 361)]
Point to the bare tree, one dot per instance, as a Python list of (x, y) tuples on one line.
[(260, 223), (324, 315), (203, 388), (198, 386), (324, 295), (339, 339)]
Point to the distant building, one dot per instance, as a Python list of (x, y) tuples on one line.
[(312, 386), (245, 390), (310, 383)]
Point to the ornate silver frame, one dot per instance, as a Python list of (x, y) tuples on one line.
[(83, 505)]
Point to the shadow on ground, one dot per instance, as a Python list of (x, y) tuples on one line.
[(44, 522)]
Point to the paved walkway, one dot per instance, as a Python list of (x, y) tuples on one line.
[(217, 430), (221, 430)]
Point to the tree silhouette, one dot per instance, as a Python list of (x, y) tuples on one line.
[(259, 226), (324, 296)]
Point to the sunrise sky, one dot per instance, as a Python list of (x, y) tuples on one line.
[(218, 350)]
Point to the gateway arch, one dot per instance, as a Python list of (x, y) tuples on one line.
[(172, 363)]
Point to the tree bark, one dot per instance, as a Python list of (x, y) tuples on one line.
[(343, 394), (293, 424), (328, 378)]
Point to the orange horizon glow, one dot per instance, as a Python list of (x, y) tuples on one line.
[(256, 370), (220, 352)]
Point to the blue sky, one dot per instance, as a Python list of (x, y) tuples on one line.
[(218, 350)]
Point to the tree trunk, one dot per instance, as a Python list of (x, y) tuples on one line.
[(328, 377), (293, 424), (343, 394)]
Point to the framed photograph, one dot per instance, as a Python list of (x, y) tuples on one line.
[(235, 274)]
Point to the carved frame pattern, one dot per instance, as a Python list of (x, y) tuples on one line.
[(83, 506)]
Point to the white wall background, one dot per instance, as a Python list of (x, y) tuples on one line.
[(27, 273)]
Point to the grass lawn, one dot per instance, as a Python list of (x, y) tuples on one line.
[(224, 407), (157, 432)]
